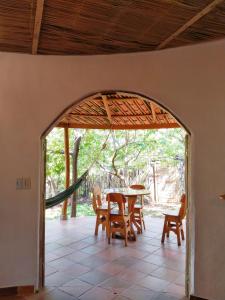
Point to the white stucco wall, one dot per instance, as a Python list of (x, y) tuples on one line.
[(34, 90)]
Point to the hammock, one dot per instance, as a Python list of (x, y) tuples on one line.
[(50, 202), (66, 193)]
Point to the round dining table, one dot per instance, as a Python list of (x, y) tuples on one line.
[(131, 195)]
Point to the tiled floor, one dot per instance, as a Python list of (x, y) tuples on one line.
[(81, 266)]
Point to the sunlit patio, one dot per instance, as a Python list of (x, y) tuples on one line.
[(82, 266)]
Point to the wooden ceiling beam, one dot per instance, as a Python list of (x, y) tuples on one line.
[(120, 99), (117, 116), (106, 105), (153, 112), (189, 23), (120, 127), (37, 25)]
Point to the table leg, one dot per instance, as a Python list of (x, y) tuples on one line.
[(131, 203)]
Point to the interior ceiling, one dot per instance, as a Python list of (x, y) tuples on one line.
[(107, 26), (117, 110)]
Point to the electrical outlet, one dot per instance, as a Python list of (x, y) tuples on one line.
[(23, 183)]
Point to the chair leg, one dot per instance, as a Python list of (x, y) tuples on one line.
[(178, 233), (164, 231), (143, 221), (182, 232), (103, 226), (125, 235), (96, 225), (107, 227), (168, 230)]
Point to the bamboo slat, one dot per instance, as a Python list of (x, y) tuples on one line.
[(115, 112), (103, 27)]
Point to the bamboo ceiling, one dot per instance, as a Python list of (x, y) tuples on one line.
[(107, 26), (117, 111)]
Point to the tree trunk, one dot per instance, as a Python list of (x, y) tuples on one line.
[(75, 157)]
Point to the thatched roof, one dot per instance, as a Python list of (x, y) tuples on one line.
[(117, 110), (107, 26)]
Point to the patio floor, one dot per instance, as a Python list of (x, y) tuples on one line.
[(81, 266)]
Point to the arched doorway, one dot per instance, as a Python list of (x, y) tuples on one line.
[(73, 117)]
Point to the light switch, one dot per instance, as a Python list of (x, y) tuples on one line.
[(23, 183)]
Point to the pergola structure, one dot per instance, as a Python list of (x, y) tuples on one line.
[(114, 111), (118, 111)]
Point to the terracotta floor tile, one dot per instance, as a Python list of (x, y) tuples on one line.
[(166, 274), (93, 261), (153, 283), (94, 277), (62, 251), (76, 287), (175, 290), (57, 279), (126, 261), (116, 285), (144, 267), (137, 292), (91, 250), (77, 256), (75, 270), (51, 246), (59, 295), (49, 270), (148, 248), (60, 263), (180, 280), (50, 257), (98, 293), (137, 253), (78, 245), (131, 275), (78, 260), (120, 297), (165, 296), (110, 253), (155, 259), (111, 268)]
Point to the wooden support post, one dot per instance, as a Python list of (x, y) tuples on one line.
[(75, 157), (67, 163), (154, 183)]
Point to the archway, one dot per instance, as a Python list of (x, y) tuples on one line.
[(64, 120)]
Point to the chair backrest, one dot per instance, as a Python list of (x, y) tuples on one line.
[(183, 207), (116, 198), (137, 187), (96, 198)]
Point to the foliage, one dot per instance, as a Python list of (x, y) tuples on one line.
[(126, 151), (83, 209)]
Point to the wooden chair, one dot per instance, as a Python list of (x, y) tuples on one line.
[(138, 207), (119, 219), (100, 210), (173, 222)]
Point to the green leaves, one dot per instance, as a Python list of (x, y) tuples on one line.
[(125, 151)]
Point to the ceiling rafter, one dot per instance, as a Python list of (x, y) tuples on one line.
[(106, 105), (189, 23), (116, 116), (119, 126), (153, 112), (37, 25)]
